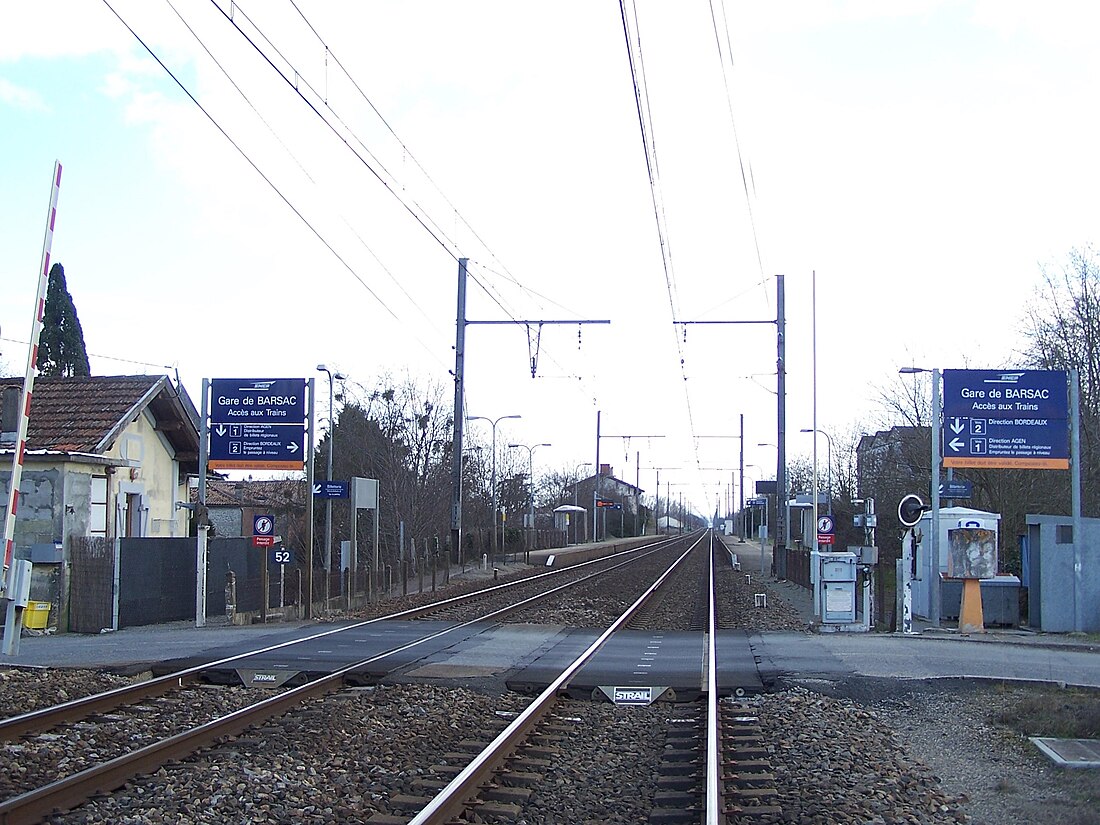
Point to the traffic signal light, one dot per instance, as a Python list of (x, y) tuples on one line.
[(910, 509)]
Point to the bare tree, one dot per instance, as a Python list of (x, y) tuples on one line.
[(1062, 332), (400, 433)]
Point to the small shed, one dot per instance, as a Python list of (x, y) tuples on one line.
[(567, 518), (1059, 598), (668, 524)]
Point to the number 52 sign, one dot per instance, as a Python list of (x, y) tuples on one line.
[(280, 555)]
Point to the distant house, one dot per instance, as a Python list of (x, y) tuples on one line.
[(105, 456), (623, 496), (893, 461)]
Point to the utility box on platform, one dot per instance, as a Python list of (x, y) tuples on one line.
[(837, 580)]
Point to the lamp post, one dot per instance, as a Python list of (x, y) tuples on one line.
[(933, 566), (531, 479), (328, 475), (829, 459), (493, 481)]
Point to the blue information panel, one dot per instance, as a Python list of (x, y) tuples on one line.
[(330, 489), (268, 400), (257, 424), (956, 488), (1000, 418), (279, 555)]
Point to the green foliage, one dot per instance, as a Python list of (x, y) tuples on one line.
[(61, 349)]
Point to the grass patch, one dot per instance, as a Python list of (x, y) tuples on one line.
[(1068, 714)]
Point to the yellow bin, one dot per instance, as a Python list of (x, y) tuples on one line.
[(36, 615)]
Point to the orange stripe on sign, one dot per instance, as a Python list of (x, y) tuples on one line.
[(229, 464), (1007, 463)]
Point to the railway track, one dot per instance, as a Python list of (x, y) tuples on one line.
[(36, 803), (385, 752), (715, 769)]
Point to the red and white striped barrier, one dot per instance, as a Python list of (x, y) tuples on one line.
[(28, 379)]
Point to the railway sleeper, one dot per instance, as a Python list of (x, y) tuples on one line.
[(682, 755), (504, 793), (676, 799), (494, 811), (409, 802), (525, 762), (680, 769), (747, 813), (674, 816)]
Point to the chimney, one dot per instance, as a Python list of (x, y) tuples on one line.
[(605, 470)]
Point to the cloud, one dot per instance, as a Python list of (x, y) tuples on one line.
[(20, 98)]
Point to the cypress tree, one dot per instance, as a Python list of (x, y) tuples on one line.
[(61, 350)]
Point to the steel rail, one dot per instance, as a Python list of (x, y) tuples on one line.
[(450, 801), (64, 794), (76, 709), (713, 802)]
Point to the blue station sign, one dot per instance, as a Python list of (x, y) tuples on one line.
[(330, 489), (257, 424), (956, 488), (1006, 419)]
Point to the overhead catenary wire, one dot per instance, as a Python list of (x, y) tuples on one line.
[(723, 60), (300, 85), (458, 214), (489, 290), (645, 125), (251, 162), (106, 357), (297, 162)]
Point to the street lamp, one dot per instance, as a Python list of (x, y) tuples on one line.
[(933, 566), (493, 482), (531, 477), (829, 454), (328, 476)]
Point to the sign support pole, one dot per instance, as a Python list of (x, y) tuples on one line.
[(311, 435), (934, 544), (1075, 497)]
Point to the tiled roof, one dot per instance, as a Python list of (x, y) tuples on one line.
[(87, 414)]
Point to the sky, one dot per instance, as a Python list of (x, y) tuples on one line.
[(907, 167)]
